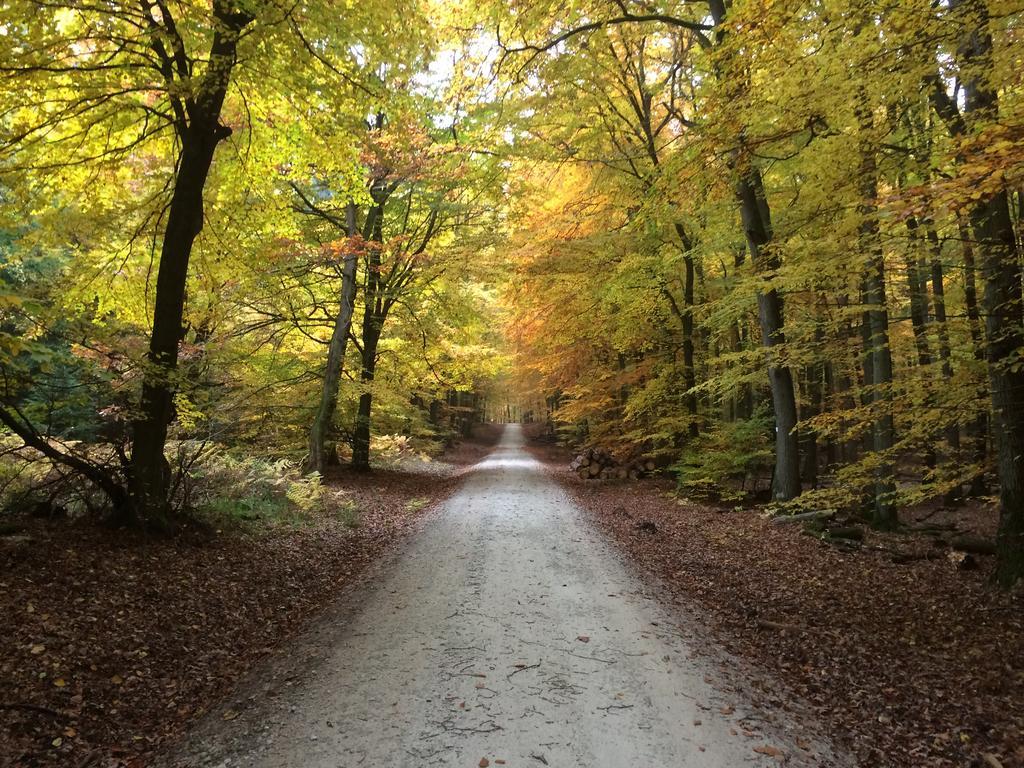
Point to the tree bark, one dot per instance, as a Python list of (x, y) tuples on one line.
[(1001, 269), (918, 299), (150, 473), (755, 215), (686, 319), (977, 429), (952, 429), (324, 417), (372, 325), (815, 390), (361, 434), (689, 369), (877, 352)]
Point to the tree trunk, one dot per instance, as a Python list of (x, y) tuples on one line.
[(1001, 269), (977, 429), (686, 318), (373, 324), (756, 217), (952, 429), (324, 417), (809, 451), (1002, 302), (878, 355), (845, 449), (150, 472), (917, 287), (689, 370), (757, 226), (361, 434)]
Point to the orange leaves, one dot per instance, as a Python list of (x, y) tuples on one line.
[(986, 163)]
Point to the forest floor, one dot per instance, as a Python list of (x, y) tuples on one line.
[(908, 664), (112, 642)]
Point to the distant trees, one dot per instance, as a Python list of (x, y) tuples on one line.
[(840, 173)]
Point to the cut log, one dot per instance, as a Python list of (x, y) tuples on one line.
[(633, 474), (850, 533), (650, 466), (593, 470), (973, 545), (964, 561), (803, 517), (901, 558)]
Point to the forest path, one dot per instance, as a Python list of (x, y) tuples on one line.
[(506, 630)]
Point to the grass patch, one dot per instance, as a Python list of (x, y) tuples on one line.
[(415, 505), (347, 512), (250, 510)]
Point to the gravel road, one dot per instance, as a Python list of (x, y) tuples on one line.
[(506, 632)]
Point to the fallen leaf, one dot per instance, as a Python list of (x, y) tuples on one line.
[(770, 751), (117, 680), (584, 638), (231, 714), (60, 682), (57, 742), (484, 762), (35, 650)]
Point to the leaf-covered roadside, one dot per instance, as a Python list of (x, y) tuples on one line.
[(907, 664), (113, 644)]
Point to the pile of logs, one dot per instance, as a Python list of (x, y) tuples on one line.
[(843, 532), (595, 464)]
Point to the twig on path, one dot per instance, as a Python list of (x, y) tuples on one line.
[(610, 707), (591, 658), (523, 668), (449, 727)]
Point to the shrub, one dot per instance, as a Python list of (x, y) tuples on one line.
[(720, 462)]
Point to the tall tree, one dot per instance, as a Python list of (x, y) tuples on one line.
[(197, 122), (1002, 272)]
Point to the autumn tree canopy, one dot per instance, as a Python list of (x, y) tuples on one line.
[(773, 247)]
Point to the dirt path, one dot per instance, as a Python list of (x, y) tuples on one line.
[(507, 630)]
